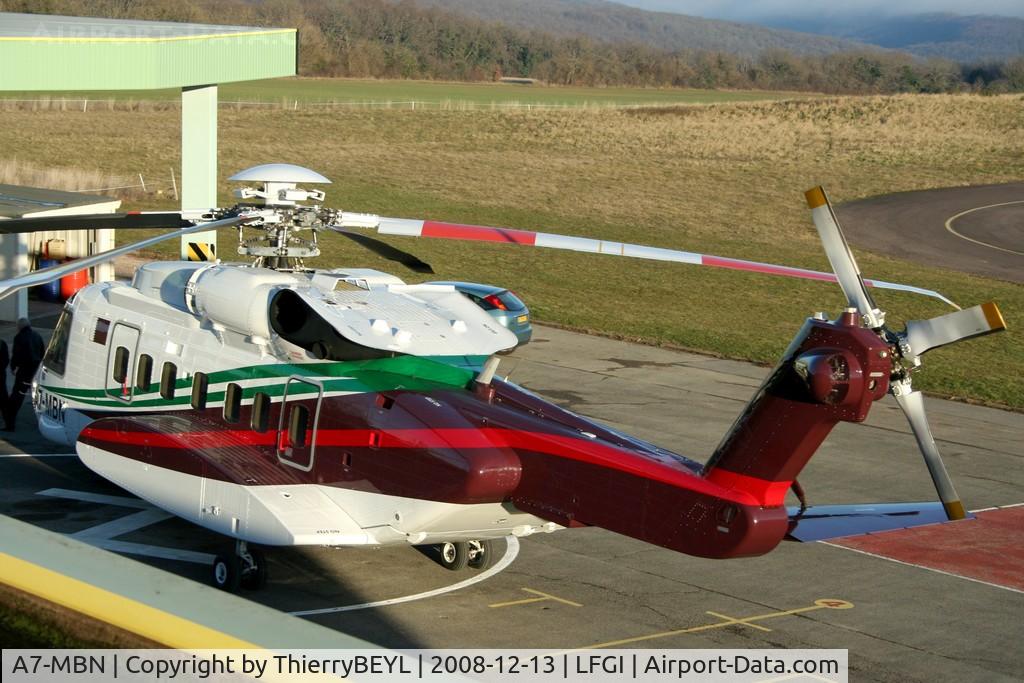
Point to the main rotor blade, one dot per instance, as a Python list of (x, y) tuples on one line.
[(924, 335), (52, 273), (912, 403), (841, 258), (385, 250), (481, 233), (95, 221)]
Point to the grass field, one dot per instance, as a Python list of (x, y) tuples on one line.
[(724, 179), (287, 91)]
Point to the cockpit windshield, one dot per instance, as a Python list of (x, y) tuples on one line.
[(56, 356)]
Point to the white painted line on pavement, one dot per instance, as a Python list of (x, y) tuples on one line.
[(122, 525), (921, 566), (511, 551), (151, 551), (89, 497)]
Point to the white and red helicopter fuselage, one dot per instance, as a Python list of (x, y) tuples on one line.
[(286, 406)]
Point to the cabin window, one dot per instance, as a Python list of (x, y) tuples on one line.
[(120, 373), (232, 402), (168, 378), (199, 385), (260, 419), (56, 356), (298, 425), (144, 372)]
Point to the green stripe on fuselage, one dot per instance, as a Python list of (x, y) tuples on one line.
[(413, 373)]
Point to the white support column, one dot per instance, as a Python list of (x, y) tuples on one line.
[(199, 160), (14, 262)]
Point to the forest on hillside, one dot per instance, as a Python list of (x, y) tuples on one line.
[(389, 39)]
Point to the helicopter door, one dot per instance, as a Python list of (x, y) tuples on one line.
[(297, 423), (121, 361)]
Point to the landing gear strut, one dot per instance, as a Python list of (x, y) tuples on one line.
[(246, 567)]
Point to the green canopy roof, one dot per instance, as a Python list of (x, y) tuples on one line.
[(53, 53)]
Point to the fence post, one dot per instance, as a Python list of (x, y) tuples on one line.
[(174, 184), (143, 182)]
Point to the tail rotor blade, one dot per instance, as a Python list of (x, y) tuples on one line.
[(924, 335), (841, 258), (912, 404)]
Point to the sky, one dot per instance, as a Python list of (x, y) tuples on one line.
[(757, 9)]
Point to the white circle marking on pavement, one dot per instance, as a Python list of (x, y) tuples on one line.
[(949, 226), (511, 551)]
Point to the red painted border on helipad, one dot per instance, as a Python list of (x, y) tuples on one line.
[(989, 548)]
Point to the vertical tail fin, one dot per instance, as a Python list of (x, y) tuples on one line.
[(831, 372)]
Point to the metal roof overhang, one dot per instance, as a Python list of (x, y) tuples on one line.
[(51, 53)]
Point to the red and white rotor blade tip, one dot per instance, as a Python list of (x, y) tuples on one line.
[(482, 233)]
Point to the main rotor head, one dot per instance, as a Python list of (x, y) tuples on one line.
[(276, 244), (279, 184)]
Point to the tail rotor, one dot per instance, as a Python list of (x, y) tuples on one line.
[(907, 346)]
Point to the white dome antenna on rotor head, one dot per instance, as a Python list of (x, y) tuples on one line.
[(279, 184)]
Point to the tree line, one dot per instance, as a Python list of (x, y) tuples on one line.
[(389, 39)]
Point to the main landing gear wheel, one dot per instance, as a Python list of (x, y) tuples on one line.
[(227, 572), (453, 555), (481, 554), (246, 568)]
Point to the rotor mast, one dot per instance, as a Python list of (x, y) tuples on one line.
[(276, 244)]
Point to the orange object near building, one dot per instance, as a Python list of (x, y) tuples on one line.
[(70, 284)]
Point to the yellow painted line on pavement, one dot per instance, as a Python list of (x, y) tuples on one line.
[(824, 603), (133, 616), (542, 597), (740, 622)]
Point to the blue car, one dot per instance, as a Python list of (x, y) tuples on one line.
[(502, 305)]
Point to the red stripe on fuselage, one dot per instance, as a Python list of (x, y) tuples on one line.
[(479, 233), (767, 493), (582, 450)]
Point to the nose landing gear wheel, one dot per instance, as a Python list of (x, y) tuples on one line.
[(453, 555)]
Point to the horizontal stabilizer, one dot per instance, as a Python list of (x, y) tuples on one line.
[(822, 522)]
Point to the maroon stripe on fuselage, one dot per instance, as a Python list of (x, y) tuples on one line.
[(456, 447), (425, 435)]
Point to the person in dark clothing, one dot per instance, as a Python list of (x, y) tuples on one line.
[(26, 354), (5, 360)]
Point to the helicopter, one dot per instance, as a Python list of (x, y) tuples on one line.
[(282, 405)]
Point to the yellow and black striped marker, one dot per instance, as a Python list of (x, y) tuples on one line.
[(202, 251)]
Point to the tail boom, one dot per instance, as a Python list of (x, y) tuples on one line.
[(831, 373)]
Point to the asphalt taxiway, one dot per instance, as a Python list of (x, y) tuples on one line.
[(903, 615), (978, 229)]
